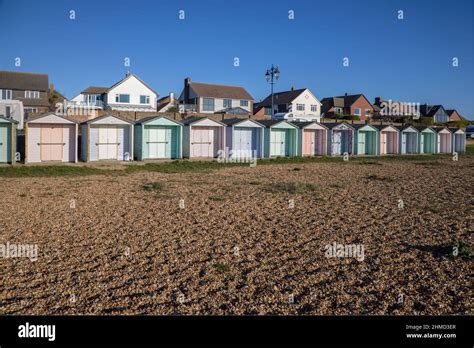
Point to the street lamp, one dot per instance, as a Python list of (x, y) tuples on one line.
[(271, 76)]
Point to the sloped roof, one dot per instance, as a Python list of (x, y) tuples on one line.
[(429, 110), (219, 91), (95, 90), (194, 119), (383, 126), (334, 124), (270, 123), (234, 121), (285, 97), (303, 124), (23, 81), (343, 101), (151, 118)]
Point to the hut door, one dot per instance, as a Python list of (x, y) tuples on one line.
[(243, 141), (277, 142), (336, 143), (383, 143), (4, 142), (108, 143), (361, 143), (159, 142), (203, 142), (51, 143), (309, 142)]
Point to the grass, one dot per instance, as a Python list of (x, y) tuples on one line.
[(154, 187), (289, 187), (222, 267), (216, 198), (187, 166), (465, 250), (379, 178)]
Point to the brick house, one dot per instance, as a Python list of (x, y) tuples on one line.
[(29, 88), (454, 115), (356, 104)]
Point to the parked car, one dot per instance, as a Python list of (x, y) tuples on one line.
[(470, 132)]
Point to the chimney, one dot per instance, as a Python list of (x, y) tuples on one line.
[(51, 88), (127, 74), (292, 88), (345, 94), (187, 82), (378, 101), (171, 96)]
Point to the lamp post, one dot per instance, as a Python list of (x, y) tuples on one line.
[(271, 76)]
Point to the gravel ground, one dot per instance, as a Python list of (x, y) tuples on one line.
[(248, 240)]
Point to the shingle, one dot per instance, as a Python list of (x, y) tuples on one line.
[(219, 91), (23, 81)]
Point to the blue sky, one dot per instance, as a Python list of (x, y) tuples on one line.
[(407, 60)]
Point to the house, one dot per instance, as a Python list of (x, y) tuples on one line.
[(244, 138), (454, 115), (346, 105), (205, 98), (128, 94), (436, 112), (168, 103), (50, 138), (13, 109), (366, 140), (281, 138), (295, 104), (388, 139), (395, 109), (29, 88), (157, 137), (203, 137), (107, 137), (312, 138), (7, 140), (340, 139)]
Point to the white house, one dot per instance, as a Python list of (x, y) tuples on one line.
[(14, 110), (208, 98), (295, 104), (129, 94)]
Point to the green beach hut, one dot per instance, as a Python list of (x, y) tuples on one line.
[(281, 138), (366, 140), (427, 140), (7, 140), (158, 137)]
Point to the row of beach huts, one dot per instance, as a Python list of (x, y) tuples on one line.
[(53, 138)]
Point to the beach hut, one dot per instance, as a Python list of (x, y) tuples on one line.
[(445, 140), (157, 137), (244, 137), (50, 138), (427, 140), (281, 138), (408, 139), (107, 137), (312, 138), (388, 139), (366, 140), (203, 137), (340, 138), (459, 139), (7, 139)]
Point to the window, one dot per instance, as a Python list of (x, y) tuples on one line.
[(208, 104), (5, 94), (31, 110), (32, 94), (8, 111), (244, 103), (300, 107), (357, 111), (122, 98), (227, 103), (144, 99), (367, 112), (337, 110), (267, 111), (314, 108)]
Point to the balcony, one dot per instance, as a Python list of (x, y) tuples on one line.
[(187, 108), (97, 104)]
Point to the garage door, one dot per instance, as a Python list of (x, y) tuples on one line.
[(51, 143), (108, 145), (278, 142), (203, 142), (4, 140), (159, 142)]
